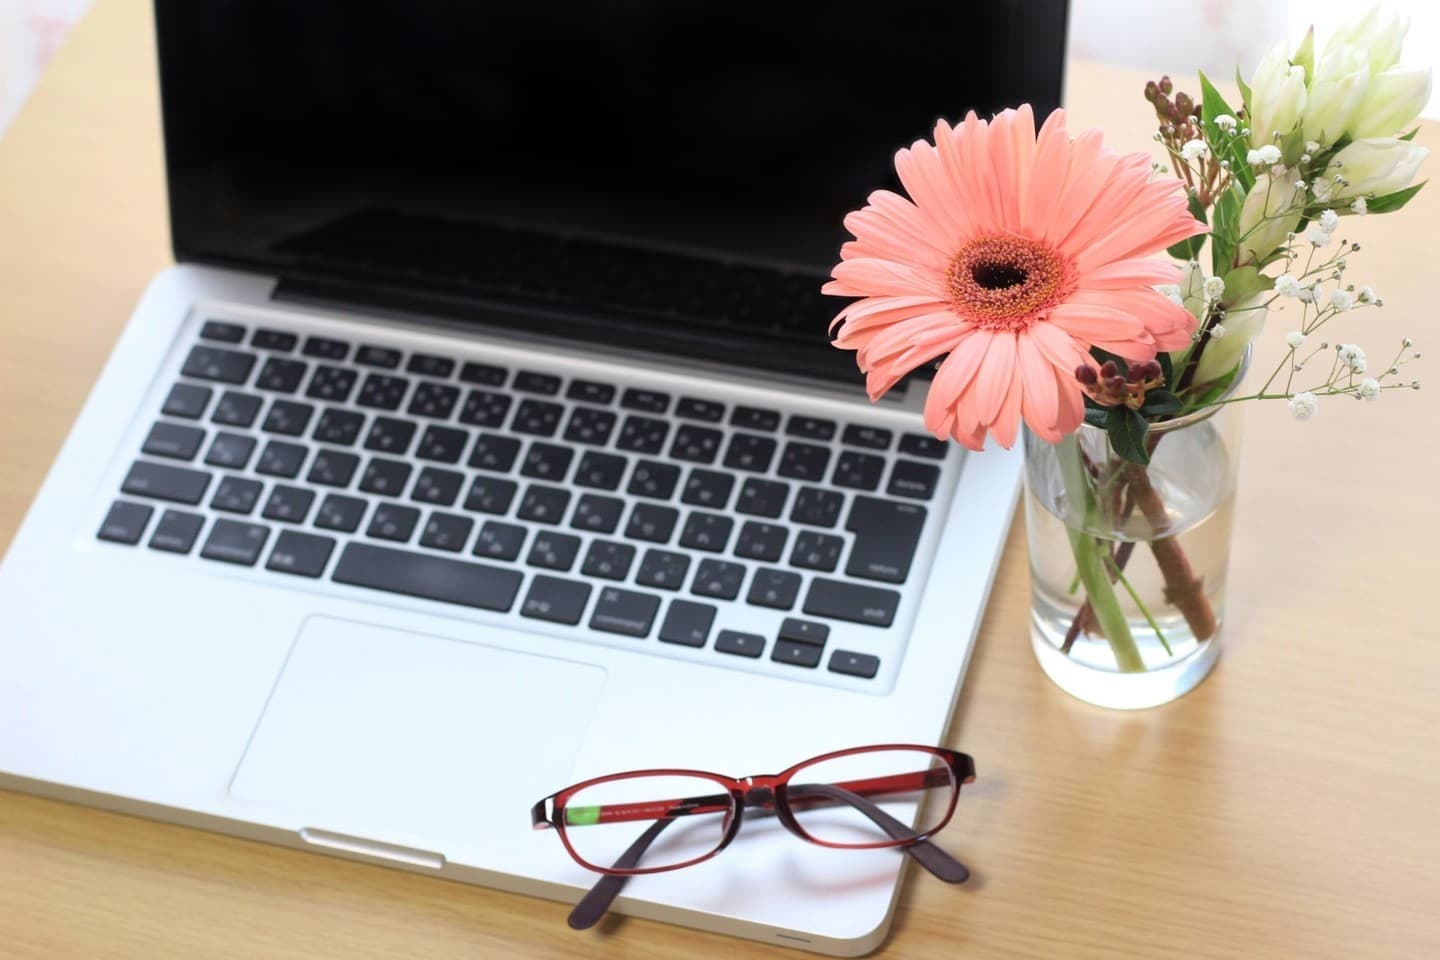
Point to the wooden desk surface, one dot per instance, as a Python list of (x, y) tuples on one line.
[(1285, 808)]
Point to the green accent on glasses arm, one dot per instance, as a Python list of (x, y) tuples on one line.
[(582, 816)]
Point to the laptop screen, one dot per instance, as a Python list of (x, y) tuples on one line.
[(671, 173)]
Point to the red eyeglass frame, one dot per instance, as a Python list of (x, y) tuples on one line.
[(549, 813)]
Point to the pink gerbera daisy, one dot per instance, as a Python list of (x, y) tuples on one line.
[(1015, 254)]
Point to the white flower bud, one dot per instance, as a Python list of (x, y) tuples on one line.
[(1335, 94), (1392, 101), (1277, 96), (1243, 324), (1317, 235), (1351, 354), (1369, 389), (1295, 339), (1377, 31), (1193, 150), (1304, 405), (1226, 123), (1267, 217), (1359, 206), (1377, 165), (1366, 295)]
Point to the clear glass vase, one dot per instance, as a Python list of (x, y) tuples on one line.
[(1128, 562)]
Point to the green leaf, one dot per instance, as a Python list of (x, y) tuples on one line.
[(1410, 135), (1215, 389), (1394, 201), (1305, 55), (1160, 403), (1242, 283), (1292, 147), (1127, 434), (1189, 248), (1225, 229), (1095, 416), (1231, 148), (1244, 89), (1167, 369)]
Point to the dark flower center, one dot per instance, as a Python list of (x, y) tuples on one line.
[(1007, 282), (998, 276)]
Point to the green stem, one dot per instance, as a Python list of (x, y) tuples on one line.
[(1140, 604), (1090, 563)]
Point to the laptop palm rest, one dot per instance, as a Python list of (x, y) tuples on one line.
[(415, 739)]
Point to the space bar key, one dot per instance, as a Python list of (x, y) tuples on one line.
[(432, 578)]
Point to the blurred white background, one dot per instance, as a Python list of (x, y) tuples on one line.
[(1159, 35)]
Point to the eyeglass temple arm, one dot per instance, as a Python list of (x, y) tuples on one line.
[(597, 901)]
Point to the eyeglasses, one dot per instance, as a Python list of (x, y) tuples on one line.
[(858, 799)]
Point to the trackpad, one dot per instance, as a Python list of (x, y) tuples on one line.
[(414, 738)]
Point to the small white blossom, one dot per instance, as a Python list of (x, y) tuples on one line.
[(1341, 300), (1312, 146), (1321, 188), (1329, 220), (1214, 288), (1193, 150), (1304, 405), (1317, 235), (1296, 339), (1268, 155), (1366, 295), (1218, 331), (1306, 294), (1352, 354), (1369, 389), (1226, 122), (1287, 286), (1359, 206), (1300, 186), (1171, 292)]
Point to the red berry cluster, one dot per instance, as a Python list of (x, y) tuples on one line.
[(1109, 387)]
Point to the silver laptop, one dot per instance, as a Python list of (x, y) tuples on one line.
[(486, 438)]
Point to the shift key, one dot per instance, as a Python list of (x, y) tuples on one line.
[(835, 600), (886, 533)]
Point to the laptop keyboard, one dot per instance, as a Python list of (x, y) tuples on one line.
[(609, 508)]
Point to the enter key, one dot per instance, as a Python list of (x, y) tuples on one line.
[(886, 534)]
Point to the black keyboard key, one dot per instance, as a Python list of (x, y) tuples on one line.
[(707, 488), (651, 522), (236, 409), (762, 498), (216, 363), (446, 531), (811, 428), (222, 331), (287, 418), (340, 513), (740, 644), (494, 453), (528, 381), (588, 391), (773, 588), (858, 471), (483, 374), (656, 481), (289, 504), (384, 476), (648, 401), (333, 468), (429, 365), (378, 357), (761, 541), (755, 418), (277, 340), (388, 435), (804, 631), (706, 531), (390, 521), (804, 461), (546, 461), (382, 392), (445, 444), (816, 551), (643, 435), (837, 600), (750, 452), (230, 450), (909, 478), (485, 409), (281, 459), (324, 348), (281, 376), (187, 400), (871, 438), (919, 445), (696, 444), (718, 578), (543, 504), (608, 560), (434, 400), (796, 654), (163, 482), (331, 383), (490, 495), (339, 427), (538, 418), (590, 426), (817, 508), (125, 522), (438, 487), (886, 533), (173, 440), (431, 578), (302, 554), (707, 411), (687, 623), (597, 514), (177, 531), (236, 495), (556, 600), (553, 551), (625, 612), (663, 569), (499, 541), (600, 470), (231, 541), (862, 665)]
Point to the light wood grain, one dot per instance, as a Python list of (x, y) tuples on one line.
[(1284, 809)]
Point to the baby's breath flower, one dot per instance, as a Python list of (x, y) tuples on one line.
[(1300, 186), (1312, 146), (1351, 354), (1321, 188), (1296, 339), (1226, 122), (1287, 286), (1171, 291), (1366, 295), (1358, 206), (1214, 288), (1329, 220), (1268, 154), (1341, 300), (1317, 235), (1193, 150), (1304, 405), (1369, 389), (1218, 331)]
